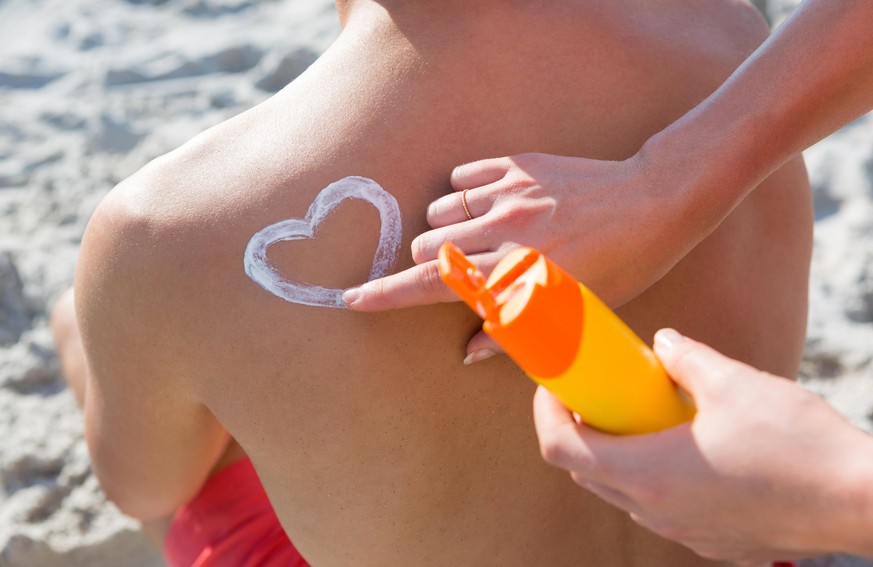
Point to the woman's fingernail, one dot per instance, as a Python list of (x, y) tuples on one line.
[(478, 356), (351, 295), (668, 338)]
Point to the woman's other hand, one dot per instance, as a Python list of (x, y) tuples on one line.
[(766, 470)]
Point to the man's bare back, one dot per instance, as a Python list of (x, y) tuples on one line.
[(375, 444)]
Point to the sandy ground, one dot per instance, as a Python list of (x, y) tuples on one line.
[(91, 90)]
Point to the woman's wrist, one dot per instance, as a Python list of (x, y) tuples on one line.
[(690, 183), (840, 498), (712, 165)]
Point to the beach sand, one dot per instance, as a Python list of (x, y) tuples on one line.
[(91, 90)]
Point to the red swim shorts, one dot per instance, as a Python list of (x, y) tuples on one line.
[(230, 523)]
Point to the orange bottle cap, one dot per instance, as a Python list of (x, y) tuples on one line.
[(531, 307)]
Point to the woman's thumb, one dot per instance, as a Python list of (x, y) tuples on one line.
[(692, 365)]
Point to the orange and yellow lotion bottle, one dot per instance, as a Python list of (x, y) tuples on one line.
[(569, 341)]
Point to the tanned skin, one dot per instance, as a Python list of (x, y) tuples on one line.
[(374, 443)]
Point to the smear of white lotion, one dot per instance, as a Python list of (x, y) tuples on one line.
[(258, 266)]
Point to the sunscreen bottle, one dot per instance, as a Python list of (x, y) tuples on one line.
[(569, 341)]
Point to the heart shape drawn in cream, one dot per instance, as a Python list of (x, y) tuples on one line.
[(258, 266)]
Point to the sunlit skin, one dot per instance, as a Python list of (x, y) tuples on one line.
[(375, 445), (813, 76)]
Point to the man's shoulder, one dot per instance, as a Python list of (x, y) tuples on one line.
[(733, 30)]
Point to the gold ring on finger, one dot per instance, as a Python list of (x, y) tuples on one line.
[(464, 203)]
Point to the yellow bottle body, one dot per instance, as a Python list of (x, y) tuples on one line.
[(616, 383), (569, 341)]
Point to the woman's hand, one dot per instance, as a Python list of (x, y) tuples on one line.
[(594, 218), (766, 471), (618, 226)]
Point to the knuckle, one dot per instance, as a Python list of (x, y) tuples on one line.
[(685, 360), (519, 182), (506, 215), (522, 215), (505, 163), (550, 448), (525, 160), (584, 480), (375, 288), (554, 451), (512, 212), (429, 279), (459, 174), (419, 248), (605, 468), (651, 495), (432, 212), (377, 293)]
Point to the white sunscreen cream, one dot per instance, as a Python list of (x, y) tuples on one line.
[(258, 266)]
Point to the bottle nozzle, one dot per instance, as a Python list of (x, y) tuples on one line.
[(531, 307), (466, 280)]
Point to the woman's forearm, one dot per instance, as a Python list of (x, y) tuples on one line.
[(812, 76)]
